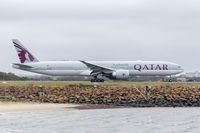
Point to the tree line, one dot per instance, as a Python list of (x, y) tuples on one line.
[(11, 76)]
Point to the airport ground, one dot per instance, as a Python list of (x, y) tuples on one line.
[(109, 83)]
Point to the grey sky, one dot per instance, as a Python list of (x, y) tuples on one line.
[(102, 30)]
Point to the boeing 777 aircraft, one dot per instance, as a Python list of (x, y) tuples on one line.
[(96, 69)]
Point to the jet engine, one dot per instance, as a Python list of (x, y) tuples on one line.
[(120, 74)]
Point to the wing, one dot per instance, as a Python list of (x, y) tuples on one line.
[(97, 68)]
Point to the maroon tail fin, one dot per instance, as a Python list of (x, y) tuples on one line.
[(24, 55)]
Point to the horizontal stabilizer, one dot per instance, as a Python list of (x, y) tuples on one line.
[(21, 66)]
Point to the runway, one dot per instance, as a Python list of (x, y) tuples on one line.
[(94, 83)]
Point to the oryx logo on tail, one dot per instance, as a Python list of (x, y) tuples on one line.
[(24, 55)]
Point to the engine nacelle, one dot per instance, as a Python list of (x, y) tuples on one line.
[(121, 74)]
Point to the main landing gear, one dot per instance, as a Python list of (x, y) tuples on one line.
[(97, 80)]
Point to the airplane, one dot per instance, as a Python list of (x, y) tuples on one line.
[(98, 70)]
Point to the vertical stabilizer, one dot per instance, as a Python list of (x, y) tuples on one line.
[(24, 55)]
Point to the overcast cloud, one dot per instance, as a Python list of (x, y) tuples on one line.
[(102, 30)]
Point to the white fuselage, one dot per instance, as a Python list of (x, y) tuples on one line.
[(77, 68)]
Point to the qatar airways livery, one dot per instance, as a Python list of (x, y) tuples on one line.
[(96, 69)]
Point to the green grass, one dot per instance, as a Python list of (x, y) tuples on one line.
[(48, 84), (5, 99), (87, 84)]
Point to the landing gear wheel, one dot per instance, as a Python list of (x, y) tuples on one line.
[(97, 80), (92, 80), (102, 80)]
